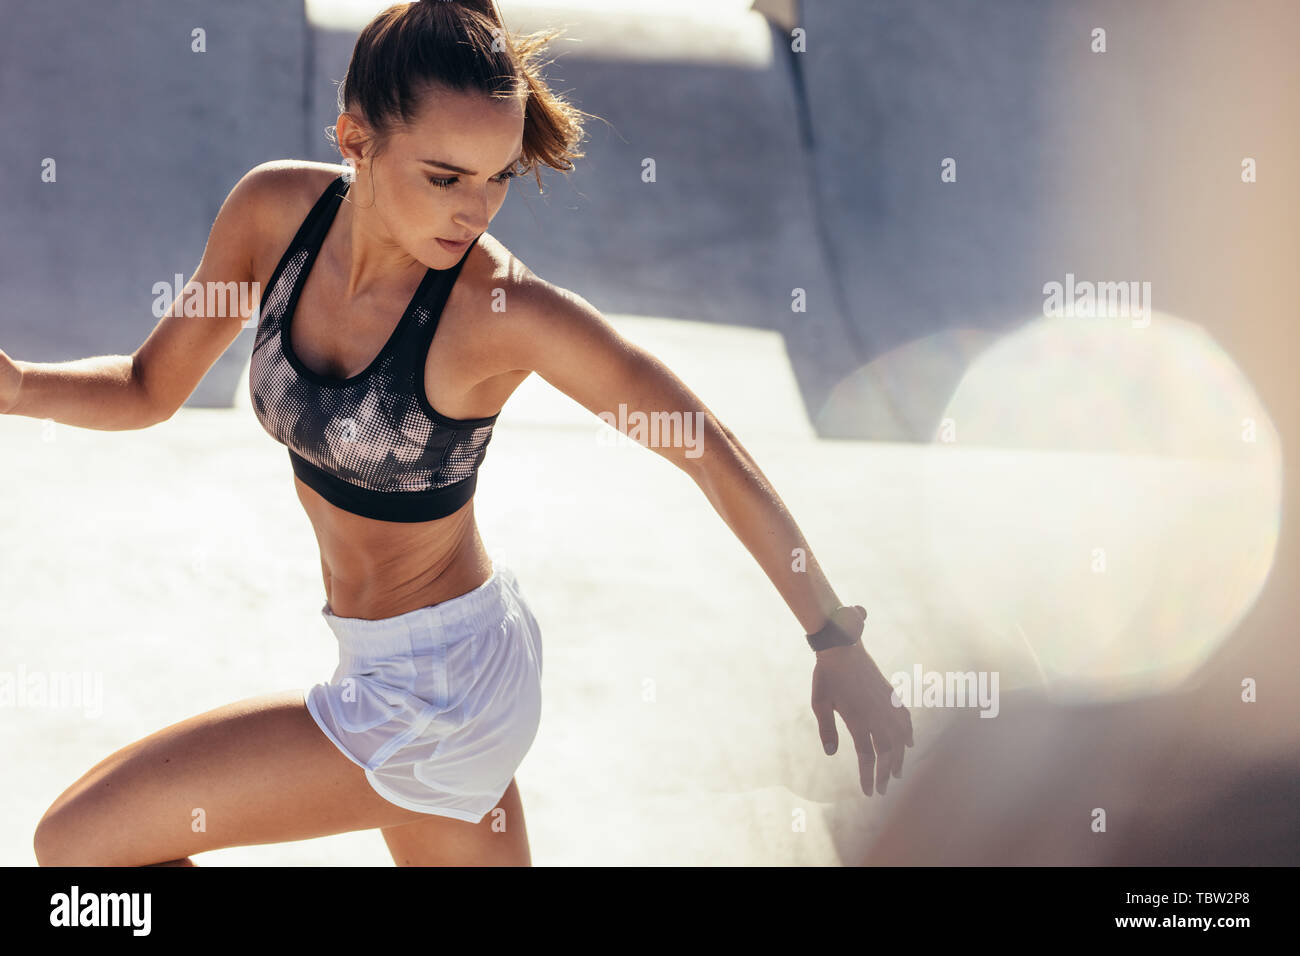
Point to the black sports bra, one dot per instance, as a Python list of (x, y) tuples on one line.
[(370, 444)]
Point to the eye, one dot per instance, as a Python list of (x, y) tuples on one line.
[(450, 181)]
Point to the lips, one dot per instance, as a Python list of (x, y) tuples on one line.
[(454, 246)]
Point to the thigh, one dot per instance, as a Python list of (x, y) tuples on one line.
[(499, 839), (256, 771)]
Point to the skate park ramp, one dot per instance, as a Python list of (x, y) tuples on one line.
[(1093, 509)]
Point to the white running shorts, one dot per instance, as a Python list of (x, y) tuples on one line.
[(439, 704)]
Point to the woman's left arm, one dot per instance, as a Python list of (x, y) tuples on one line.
[(566, 340)]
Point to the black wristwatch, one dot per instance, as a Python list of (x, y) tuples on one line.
[(830, 635)]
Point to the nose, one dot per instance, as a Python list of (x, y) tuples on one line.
[(476, 215)]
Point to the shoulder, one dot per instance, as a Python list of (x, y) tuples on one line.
[(534, 323), (272, 199), (530, 298), (539, 326), (524, 300), (278, 189)]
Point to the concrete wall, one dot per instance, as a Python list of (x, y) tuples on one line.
[(148, 137)]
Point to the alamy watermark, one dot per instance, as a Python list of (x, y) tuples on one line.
[(83, 689), (213, 300), (654, 429), (1109, 300), (946, 689), (75, 908)]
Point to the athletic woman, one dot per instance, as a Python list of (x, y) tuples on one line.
[(437, 694)]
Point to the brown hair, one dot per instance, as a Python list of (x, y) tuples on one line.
[(462, 45)]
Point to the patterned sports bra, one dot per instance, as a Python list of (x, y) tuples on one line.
[(370, 444)]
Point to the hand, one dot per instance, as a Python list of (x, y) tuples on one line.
[(10, 378), (847, 680)]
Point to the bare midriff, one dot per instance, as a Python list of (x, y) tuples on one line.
[(377, 569)]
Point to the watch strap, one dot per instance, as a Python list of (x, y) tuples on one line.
[(830, 635)]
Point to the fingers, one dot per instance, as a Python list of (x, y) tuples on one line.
[(874, 757), (825, 715), (866, 769), (901, 737), (882, 755), (885, 751), (887, 762), (904, 719)]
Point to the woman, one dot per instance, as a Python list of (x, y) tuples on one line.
[(437, 694)]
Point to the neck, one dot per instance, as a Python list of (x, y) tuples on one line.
[(367, 254)]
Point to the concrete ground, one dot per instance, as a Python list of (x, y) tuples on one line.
[(175, 566)]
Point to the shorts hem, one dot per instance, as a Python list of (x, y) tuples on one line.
[(469, 816)]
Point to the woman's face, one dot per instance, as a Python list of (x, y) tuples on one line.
[(446, 175)]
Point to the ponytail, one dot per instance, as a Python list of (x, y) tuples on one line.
[(460, 45)]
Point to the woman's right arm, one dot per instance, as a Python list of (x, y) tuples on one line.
[(119, 392)]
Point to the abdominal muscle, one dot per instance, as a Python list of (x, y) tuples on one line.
[(377, 569)]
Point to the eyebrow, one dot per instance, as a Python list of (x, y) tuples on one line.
[(457, 169)]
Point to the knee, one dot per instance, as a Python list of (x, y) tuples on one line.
[(60, 841), (50, 841)]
